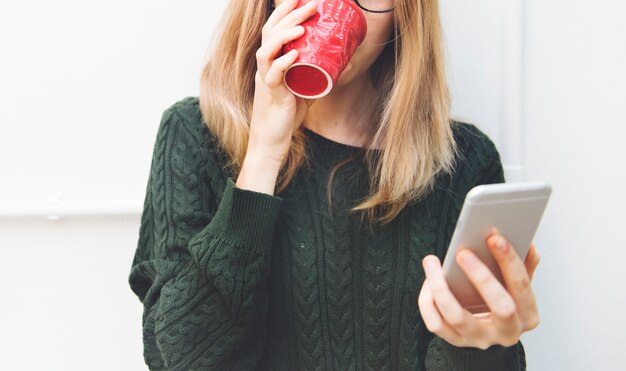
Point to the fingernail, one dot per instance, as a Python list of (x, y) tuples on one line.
[(502, 245), (468, 259)]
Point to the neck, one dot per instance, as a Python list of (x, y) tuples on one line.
[(345, 115)]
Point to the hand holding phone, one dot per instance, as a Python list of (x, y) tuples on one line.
[(514, 210)]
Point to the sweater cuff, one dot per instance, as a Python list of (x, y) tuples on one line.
[(496, 357), (245, 217)]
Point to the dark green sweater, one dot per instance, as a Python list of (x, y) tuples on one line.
[(232, 279)]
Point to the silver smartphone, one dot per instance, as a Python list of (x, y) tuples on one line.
[(515, 209)]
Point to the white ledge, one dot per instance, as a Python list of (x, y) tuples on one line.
[(54, 210), (57, 209)]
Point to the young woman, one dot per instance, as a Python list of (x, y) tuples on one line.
[(284, 234)]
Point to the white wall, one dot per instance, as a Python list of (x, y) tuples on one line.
[(574, 130), (83, 84), (484, 69), (82, 89)]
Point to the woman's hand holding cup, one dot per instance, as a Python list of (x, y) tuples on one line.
[(277, 112)]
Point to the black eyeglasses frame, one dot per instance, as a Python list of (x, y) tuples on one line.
[(357, 3), (372, 11)]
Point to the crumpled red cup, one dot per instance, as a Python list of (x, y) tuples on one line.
[(330, 38)]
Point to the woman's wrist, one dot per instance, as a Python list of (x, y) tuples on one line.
[(258, 174)]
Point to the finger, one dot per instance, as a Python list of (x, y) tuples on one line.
[(432, 318), (274, 77), (298, 16), (267, 52), (279, 13), (516, 279), (513, 270), (531, 261), (503, 307), (278, 31), (459, 318), (278, 40)]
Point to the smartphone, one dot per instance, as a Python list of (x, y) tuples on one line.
[(514, 209)]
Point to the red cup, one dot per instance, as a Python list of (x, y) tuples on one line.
[(330, 38)]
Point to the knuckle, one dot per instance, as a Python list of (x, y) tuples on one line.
[(436, 286), (532, 307), (459, 342), (260, 54), (281, 63), (532, 322), (522, 284), (456, 320), (434, 326), (507, 311), (268, 80), (509, 341), (483, 344), (483, 278), (422, 301), (265, 30), (438, 289)]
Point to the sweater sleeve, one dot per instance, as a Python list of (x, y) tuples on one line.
[(201, 263), (443, 356)]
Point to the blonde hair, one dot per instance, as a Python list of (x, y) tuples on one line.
[(414, 130)]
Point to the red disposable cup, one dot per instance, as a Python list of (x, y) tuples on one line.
[(330, 38)]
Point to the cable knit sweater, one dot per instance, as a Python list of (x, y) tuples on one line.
[(232, 279)]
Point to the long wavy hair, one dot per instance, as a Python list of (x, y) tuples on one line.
[(414, 129)]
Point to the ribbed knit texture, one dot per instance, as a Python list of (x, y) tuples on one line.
[(232, 279)]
